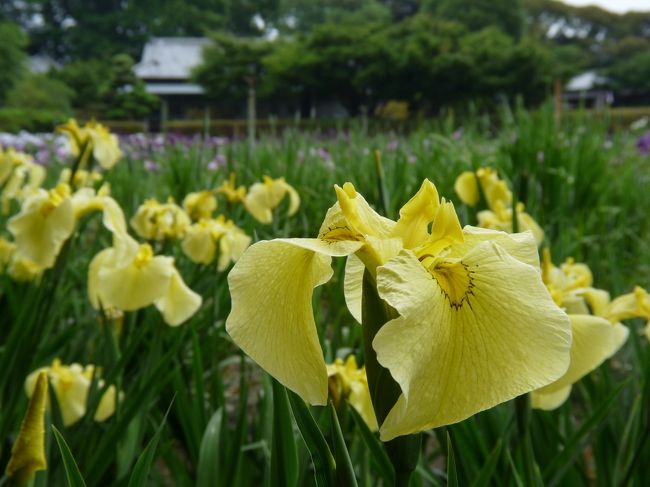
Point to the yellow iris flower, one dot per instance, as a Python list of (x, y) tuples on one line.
[(201, 239), (20, 177), (94, 138), (81, 179), (232, 192), (200, 205), (263, 197), (597, 334), (476, 325), (28, 452), (71, 385), (348, 382), (156, 221), (498, 197), (128, 276), (46, 220)]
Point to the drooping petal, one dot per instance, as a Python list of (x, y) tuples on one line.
[(130, 286), (466, 188), (42, 227), (179, 302), (484, 331), (549, 400), (360, 218), (594, 341), (106, 407), (272, 320), (353, 285)]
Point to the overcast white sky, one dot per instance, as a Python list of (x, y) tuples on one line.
[(620, 6)]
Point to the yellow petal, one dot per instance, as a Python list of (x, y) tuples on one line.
[(198, 243), (106, 149), (359, 217), (594, 341), (597, 299), (272, 320), (549, 400), (466, 188), (483, 332), (521, 246), (179, 302), (416, 215), (353, 285), (28, 451), (294, 198), (231, 247), (106, 407), (41, 228), (132, 285)]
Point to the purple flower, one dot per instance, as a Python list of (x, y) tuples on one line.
[(151, 166), (643, 144), (392, 145), (458, 133), (218, 161), (322, 152)]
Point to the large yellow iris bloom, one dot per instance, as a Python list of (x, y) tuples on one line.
[(156, 221), (476, 325)]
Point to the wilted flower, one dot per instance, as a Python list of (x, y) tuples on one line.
[(201, 239), (71, 384), (475, 326), (263, 197), (28, 452)]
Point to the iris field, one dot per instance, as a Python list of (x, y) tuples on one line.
[(123, 303)]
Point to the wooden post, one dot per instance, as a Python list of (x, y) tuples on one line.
[(251, 111), (558, 101)]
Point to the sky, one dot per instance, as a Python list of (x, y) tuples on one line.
[(620, 6)]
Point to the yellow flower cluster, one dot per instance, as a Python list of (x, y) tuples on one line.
[(20, 176), (469, 186), (596, 328), (71, 384)]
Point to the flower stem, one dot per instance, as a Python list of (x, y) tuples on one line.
[(403, 451)]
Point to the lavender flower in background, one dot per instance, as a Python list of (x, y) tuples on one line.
[(218, 162), (643, 144), (151, 166), (392, 145), (458, 134), (540, 156), (300, 156)]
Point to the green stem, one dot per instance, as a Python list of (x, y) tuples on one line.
[(403, 451)]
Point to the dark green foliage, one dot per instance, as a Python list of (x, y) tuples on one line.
[(12, 56), (40, 92)]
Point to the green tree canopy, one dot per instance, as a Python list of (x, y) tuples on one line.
[(12, 56)]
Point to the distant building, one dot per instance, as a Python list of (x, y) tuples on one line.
[(587, 89), (166, 67)]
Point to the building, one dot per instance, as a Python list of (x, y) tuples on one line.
[(587, 90), (166, 68)]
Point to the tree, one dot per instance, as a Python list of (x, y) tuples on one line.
[(507, 15), (12, 56)]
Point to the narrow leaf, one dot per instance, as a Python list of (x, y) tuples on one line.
[(344, 470), (209, 453), (75, 479), (452, 475), (284, 453)]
